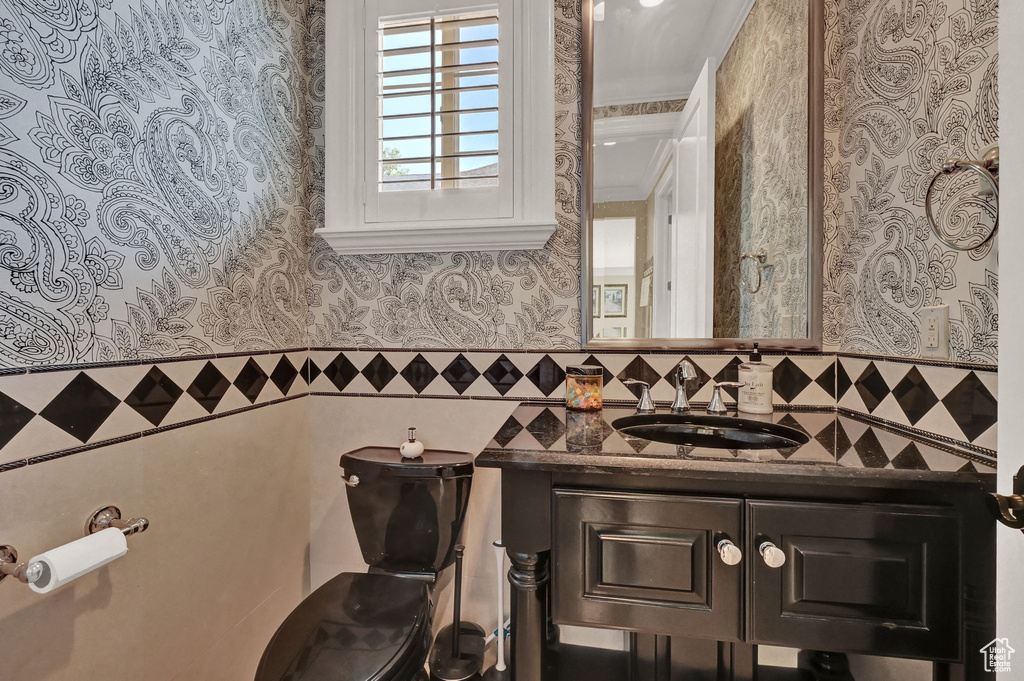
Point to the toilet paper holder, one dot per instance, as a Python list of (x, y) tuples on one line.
[(103, 518)]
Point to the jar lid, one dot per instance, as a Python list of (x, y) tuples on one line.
[(584, 370)]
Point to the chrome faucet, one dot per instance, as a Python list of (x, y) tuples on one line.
[(645, 405), (717, 404), (684, 374)]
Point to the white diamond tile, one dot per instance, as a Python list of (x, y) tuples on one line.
[(39, 436), (122, 421)]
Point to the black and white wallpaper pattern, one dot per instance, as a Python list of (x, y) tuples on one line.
[(909, 84), (155, 158), (161, 173), (481, 300)]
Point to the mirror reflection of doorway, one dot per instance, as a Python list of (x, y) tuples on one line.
[(615, 275)]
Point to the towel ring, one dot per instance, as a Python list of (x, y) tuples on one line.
[(759, 258), (988, 170)]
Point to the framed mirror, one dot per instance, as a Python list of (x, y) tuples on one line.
[(703, 173)]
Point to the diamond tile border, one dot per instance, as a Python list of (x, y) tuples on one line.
[(954, 403)]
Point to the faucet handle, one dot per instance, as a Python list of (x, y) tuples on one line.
[(717, 404), (645, 405)]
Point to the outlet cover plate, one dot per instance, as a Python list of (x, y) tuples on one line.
[(935, 332)]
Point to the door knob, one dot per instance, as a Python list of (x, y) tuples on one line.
[(773, 556), (730, 553)]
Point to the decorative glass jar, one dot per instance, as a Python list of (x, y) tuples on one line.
[(583, 387)]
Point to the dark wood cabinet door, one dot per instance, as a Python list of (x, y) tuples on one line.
[(857, 578), (647, 563)]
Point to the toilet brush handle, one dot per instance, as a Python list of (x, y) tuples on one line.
[(457, 607), (499, 554)]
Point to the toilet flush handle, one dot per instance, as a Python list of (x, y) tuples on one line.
[(351, 481)]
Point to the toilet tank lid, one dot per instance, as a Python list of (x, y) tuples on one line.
[(434, 463)]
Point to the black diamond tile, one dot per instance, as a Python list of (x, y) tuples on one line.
[(791, 422), (827, 380), (730, 372), (692, 387), (251, 379), (154, 396), (827, 437), (548, 376), (639, 370), (209, 387), (508, 431), (310, 371), (460, 374), (284, 375), (843, 382), (13, 417), (341, 371), (637, 444), (914, 396), (81, 407), (503, 374), (972, 406), (872, 387), (595, 362), (789, 380), (546, 428), (419, 373), (967, 468), (870, 450), (910, 459), (379, 372), (843, 444)]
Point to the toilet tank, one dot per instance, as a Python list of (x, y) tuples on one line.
[(408, 513)]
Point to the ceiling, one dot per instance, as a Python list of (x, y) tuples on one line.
[(644, 54)]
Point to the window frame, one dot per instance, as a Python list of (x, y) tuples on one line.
[(517, 214)]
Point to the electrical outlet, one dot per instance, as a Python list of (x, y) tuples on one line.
[(935, 332)]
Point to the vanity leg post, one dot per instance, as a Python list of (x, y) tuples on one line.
[(529, 578)]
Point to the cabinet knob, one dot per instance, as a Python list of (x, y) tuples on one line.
[(730, 553), (772, 554)]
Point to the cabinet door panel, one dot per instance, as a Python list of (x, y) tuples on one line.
[(857, 578), (646, 562)]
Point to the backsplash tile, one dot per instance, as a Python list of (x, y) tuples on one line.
[(54, 411), (951, 401)]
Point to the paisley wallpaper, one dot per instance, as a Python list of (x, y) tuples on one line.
[(760, 174), (506, 299), (909, 84), (155, 158), (161, 174)]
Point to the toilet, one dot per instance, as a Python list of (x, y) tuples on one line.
[(408, 514)]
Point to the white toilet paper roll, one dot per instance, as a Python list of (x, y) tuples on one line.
[(69, 562)]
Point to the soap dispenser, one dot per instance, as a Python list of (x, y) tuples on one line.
[(755, 397), (411, 449)]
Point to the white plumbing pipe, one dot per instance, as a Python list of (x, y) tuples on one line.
[(499, 555)]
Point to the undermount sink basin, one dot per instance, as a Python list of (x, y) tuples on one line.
[(705, 430)]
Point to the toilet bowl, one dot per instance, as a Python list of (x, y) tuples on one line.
[(408, 514)]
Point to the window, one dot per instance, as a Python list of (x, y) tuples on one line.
[(438, 92), (440, 130)]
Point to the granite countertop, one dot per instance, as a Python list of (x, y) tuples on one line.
[(842, 448)]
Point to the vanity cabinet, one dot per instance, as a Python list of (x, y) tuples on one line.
[(646, 562), (869, 575), (883, 579)]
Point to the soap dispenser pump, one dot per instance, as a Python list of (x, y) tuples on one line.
[(755, 397)]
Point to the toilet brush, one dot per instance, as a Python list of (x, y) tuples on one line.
[(499, 672), (458, 653)]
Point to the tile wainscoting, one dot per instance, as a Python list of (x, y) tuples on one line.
[(48, 414)]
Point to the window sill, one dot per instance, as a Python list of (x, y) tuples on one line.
[(419, 237)]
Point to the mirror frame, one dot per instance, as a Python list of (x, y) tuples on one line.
[(815, 206)]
